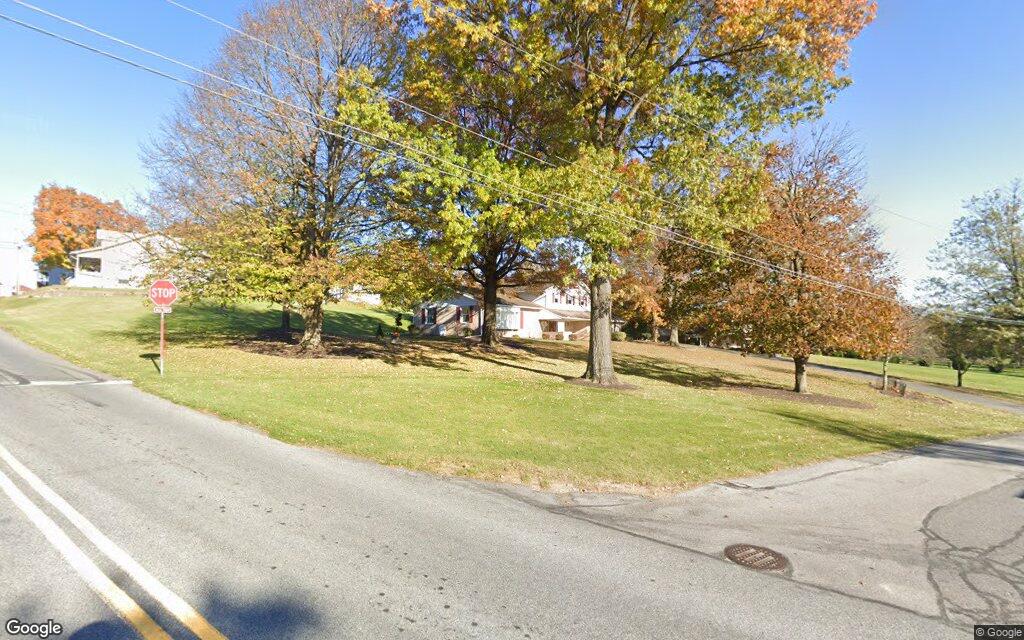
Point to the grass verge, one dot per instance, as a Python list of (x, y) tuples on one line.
[(1008, 384), (447, 406)]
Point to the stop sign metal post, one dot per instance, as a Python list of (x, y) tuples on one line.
[(162, 294)]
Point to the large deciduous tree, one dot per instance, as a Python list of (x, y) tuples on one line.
[(487, 237), (815, 278), (677, 85), (491, 228), (66, 219), (962, 340), (979, 268), (270, 179)]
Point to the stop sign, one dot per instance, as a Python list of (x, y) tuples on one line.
[(163, 293)]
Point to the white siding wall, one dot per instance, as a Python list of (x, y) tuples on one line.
[(555, 298), (16, 269), (512, 321), (122, 266)]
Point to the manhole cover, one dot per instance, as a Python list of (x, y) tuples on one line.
[(755, 557)]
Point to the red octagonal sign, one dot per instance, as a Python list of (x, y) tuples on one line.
[(163, 293)]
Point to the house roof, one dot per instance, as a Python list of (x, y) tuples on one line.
[(517, 301), (129, 238), (572, 315), (524, 297), (532, 293)]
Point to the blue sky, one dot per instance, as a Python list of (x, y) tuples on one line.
[(936, 104)]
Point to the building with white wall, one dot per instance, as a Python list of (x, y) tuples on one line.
[(18, 274), (542, 312), (118, 261)]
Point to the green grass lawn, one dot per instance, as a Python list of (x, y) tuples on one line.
[(1009, 383), (447, 406)]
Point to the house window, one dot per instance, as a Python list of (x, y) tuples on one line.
[(432, 315), (469, 314), (506, 318), (458, 314), (92, 265), (423, 316), (572, 299)]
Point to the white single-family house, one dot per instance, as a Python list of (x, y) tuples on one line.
[(120, 260), (542, 312)]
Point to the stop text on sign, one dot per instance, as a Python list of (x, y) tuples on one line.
[(163, 293)]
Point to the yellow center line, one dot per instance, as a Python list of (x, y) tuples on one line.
[(118, 600), (171, 601)]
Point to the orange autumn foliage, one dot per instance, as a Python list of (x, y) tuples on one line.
[(66, 219), (829, 285), (821, 29)]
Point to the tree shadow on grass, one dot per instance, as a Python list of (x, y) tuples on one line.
[(888, 438), (207, 325), (921, 444), (641, 366), (199, 325), (350, 333), (347, 334), (416, 353)]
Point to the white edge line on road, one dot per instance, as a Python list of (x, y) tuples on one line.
[(167, 598), (71, 383), (118, 600)]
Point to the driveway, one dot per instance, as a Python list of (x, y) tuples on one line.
[(937, 531)]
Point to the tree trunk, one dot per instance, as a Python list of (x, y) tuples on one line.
[(313, 319), (489, 334), (885, 373), (673, 336), (654, 331), (800, 369), (286, 319), (600, 368), (959, 378)]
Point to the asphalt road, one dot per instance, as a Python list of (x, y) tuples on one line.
[(118, 506)]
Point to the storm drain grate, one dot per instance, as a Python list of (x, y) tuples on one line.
[(755, 557)]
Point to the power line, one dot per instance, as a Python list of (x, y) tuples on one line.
[(680, 239), (687, 240), (478, 134), (909, 218), (509, 42), (693, 242)]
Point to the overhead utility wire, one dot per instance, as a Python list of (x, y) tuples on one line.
[(619, 84), (679, 238), (478, 134), (693, 243), (906, 217), (489, 181), (688, 240)]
